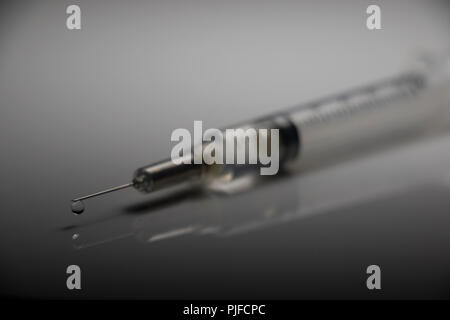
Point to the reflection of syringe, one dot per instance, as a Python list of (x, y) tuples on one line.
[(327, 128)]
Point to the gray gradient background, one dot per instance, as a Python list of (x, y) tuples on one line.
[(80, 110)]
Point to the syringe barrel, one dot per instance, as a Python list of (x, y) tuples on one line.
[(330, 128), (371, 116)]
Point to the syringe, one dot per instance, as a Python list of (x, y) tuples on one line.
[(338, 125)]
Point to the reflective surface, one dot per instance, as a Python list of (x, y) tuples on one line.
[(82, 110)]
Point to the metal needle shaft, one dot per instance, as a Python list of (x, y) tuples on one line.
[(123, 186)]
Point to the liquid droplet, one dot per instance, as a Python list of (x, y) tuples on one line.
[(75, 236), (77, 207)]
